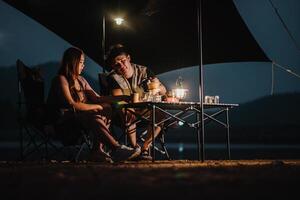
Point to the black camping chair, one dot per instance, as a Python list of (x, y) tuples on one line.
[(103, 83), (37, 136), (140, 121)]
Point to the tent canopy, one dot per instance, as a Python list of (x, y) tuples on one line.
[(159, 34)]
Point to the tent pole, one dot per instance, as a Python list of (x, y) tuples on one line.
[(272, 86), (200, 116)]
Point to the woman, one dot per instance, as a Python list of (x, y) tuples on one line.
[(93, 112)]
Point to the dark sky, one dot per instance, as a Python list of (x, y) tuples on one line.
[(21, 37)]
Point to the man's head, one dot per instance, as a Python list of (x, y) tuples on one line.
[(119, 60)]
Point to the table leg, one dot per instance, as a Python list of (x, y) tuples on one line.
[(200, 137), (153, 131), (228, 133)]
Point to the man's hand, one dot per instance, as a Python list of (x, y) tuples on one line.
[(155, 84)]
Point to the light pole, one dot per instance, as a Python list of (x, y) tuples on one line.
[(103, 42), (119, 21)]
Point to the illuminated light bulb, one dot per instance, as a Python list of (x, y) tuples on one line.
[(119, 20)]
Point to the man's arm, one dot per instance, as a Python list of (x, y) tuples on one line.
[(153, 78), (162, 88)]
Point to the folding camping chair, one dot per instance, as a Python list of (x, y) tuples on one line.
[(37, 136), (141, 122)]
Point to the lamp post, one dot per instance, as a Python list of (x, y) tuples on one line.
[(103, 42), (119, 21)]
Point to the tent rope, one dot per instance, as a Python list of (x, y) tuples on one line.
[(274, 64), (285, 26)]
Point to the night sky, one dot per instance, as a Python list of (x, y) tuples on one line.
[(22, 37)]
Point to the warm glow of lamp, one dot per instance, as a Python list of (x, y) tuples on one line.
[(119, 20)]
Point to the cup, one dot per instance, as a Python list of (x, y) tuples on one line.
[(217, 99), (209, 99), (206, 99), (157, 98), (153, 85), (135, 97)]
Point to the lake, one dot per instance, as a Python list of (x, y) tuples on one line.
[(10, 151)]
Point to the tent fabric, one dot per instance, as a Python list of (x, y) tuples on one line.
[(159, 34)]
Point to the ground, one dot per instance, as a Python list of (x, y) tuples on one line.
[(179, 179)]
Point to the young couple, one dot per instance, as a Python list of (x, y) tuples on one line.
[(93, 111)]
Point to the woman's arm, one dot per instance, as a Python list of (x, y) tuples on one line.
[(77, 105), (111, 99), (96, 98)]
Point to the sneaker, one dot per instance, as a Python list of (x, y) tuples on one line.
[(100, 157), (122, 153), (137, 152), (104, 153), (145, 155)]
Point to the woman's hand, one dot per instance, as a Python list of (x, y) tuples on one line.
[(99, 108), (106, 108)]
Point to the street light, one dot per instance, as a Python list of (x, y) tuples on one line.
[(119, 20)]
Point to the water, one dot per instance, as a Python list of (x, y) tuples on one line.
[(238, 151), (10, 151)]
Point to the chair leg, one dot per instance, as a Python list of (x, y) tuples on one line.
[(32, 145), (46, 149), (79, 152), (163, 145), (21, 143), (86, 141)]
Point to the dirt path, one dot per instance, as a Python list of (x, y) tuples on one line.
[(242, 179)]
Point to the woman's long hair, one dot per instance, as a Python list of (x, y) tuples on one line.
[(69, 68)]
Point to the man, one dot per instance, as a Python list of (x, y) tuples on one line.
[(127, 78)]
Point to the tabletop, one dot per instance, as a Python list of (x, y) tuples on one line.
[(178, 105)]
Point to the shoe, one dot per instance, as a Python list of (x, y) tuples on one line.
[(100, 157), (137, 152), (104, 153), (122, 153), (145, 155)]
